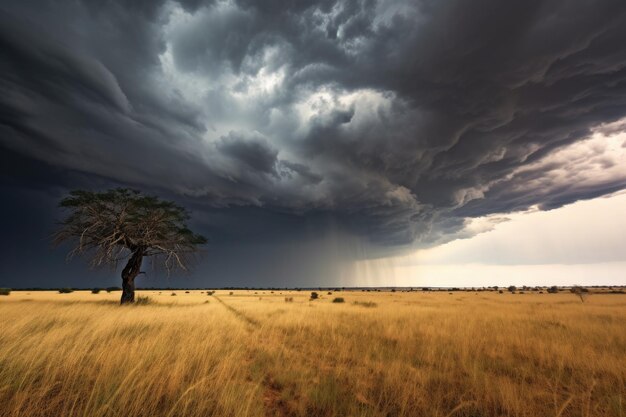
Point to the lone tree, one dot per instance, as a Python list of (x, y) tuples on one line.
[(581, 292), (125, 225)]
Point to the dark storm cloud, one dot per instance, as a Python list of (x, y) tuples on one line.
[(252, 153), (399, 119)]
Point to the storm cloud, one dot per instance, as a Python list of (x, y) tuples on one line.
[(401, 121)]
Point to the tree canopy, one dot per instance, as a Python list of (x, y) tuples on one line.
[(120, 224)]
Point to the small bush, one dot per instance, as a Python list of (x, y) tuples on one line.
[(109, 289), (210, 292), (500, 292), (231, 293), (365, 303), (143, 300), (338, 300), (5, 291), (65, 290), (314, 295), (186, 292), (95, 291), (329, 293), (512, 288), (173, 294), (553, 289), (289, 299)]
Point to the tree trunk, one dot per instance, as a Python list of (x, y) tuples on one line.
[(130, 271)]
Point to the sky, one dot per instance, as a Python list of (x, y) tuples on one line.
[(324, 143)]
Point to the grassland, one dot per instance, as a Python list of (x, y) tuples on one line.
[(247, 354)]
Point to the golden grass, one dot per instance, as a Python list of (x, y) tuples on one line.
[(247, 354)]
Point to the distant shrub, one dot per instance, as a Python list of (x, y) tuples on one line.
[(289, 299), (65, 290), (330, 293), (210, 292), (314, 295), (95, 291), (186, 292), (512, 288), (500, 292), (173, 294), (109, 289), (581, 292), (5, 291), (365, 303), (143, 300), (231, 293), (553, 289), (338, 300)]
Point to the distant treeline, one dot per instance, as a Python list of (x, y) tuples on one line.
[(512, 288)]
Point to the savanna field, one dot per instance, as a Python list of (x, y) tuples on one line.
[(252, 353)]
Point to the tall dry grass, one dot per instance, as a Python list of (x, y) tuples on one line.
[(247, 354)]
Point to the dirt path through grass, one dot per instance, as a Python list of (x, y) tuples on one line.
[(239, 314), (273, 402)]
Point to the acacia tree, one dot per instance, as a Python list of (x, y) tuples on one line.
[(581, 292), (125, 225)]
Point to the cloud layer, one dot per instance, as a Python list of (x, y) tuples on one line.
[(400, 120)]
